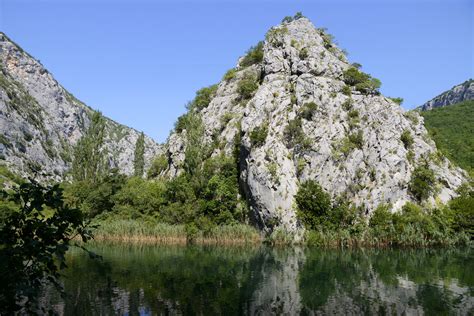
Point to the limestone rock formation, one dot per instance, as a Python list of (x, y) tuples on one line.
[(459, 93), (40, 121), (292, 118)]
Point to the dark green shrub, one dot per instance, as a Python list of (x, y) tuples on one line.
[(259, 135), (398, 101), (422, 182), (462, 208), (346, 90), (407, 139), (293, 133), (303, 54), (204, 97), (254, 55), (230, 74), (158, 165), (308, 110), (381, 219), (361, 81), (314, 204), (247, 86)]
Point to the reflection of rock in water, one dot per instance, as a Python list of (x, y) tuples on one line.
[(278, 293)]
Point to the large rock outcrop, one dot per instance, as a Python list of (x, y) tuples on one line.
[(459, 93), (303, 123), (40, 121)]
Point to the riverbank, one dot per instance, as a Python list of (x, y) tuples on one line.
[(138, 231), (149, 232)]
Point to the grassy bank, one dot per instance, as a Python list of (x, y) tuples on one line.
[(139, 231)]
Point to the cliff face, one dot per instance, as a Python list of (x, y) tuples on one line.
[(40, 121), (292, 118), (459, 93)]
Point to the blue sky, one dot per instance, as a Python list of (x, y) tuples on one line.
[(139, 62)]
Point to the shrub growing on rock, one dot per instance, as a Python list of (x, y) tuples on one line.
[(361, 81), (204, 97), (259, 135), (314, 204), (422, 182), (247, 86), (254, 55), (407, 139), (308, 110)]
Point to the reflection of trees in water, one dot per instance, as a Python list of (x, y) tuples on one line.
[(388, 281), (229, 280)]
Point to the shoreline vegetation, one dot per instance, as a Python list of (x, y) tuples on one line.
[(149, 232)]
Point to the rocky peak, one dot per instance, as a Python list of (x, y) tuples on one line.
[(40, 121), (293, 113), (457, 94)]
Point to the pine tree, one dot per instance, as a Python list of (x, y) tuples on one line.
[(139, 160), (90, 158)]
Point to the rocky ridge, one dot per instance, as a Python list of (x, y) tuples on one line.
[(40, 121), (457, 94), (303, 122)]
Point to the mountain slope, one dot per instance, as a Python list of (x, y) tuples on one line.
[(452, 128), (457, 94), (40, 121), (295, 110)]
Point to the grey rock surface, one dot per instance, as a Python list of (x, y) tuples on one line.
[(459, 93), (40, 122)]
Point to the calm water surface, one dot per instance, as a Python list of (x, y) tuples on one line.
[(154, 280)]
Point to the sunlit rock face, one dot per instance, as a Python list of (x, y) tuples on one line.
[(40, 121), (459, 93), (299, 67)]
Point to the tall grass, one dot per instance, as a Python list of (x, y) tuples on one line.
[(139, 231)]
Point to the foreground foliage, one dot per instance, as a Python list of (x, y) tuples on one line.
[(33, 242)]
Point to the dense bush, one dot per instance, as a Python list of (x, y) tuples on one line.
[(230, 74), (361, 81), (158, 165), (259, 135), (407, 139), (451, 129), (204, 97), (422, 182), (254, 55), (247, 86), (316, 211)]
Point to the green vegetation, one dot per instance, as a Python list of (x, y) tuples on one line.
[(407, 139), (289, 19), (361, 81), (259, 135), (308, 110), (247, 86), (230, 74), (303, 54), (335, 223), (357, 139), (158, 165), (294, 135), (138, 158), (90, 162), (451, 127), (422, 182), (254, 56), (398, 101), (204, 97), (33, 242)]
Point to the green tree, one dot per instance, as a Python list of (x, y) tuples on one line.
[(90, 159), (422, 182), (139, 159), (314, 204), (33, 243)]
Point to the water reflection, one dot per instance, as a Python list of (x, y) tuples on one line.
[(149, 280)]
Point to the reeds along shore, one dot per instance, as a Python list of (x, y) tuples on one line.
[(133, 231)]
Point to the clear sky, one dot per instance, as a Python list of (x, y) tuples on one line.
[(139, 62)]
